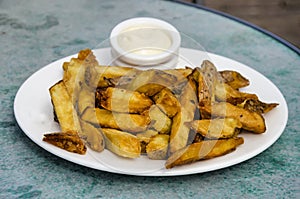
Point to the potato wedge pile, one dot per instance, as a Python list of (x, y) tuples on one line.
[(178, 115)]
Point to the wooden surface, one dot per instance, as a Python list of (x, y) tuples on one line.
[(281, 17)]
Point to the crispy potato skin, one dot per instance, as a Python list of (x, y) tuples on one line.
[(203, 150)]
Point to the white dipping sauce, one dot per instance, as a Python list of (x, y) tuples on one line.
[(144, 40)]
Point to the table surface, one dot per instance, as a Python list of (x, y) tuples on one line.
[(37, 32)]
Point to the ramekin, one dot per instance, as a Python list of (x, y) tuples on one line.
[(168, 56)]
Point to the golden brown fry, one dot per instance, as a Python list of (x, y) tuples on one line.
[(216, 128), (99, 76), (179, 131), (203, 150), (251, 121), (86, 98), (92, 136), (180, 73), (64, 108), (234, 79), (167, 102), (151, 82), (159, 121), (123, 97), (71, 93), (122, 143), (145, 137), (65, 66), (122, 121), (75, 72), (207, 79), (226, 93), (85, 55), (73, 77), (256, 105), (69, 141), (121, 100), (157, 148)]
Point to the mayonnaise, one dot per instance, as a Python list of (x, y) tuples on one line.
[(144, 40)]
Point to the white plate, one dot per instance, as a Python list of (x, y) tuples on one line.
[(34, 114)]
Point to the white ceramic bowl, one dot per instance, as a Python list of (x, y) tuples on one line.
[(145, 42)]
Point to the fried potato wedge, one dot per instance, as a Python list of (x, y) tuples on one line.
[(69, 141), (85, 55), (122, 143), (92, 136), (100, 76), (167, 102), (255, 105), (180, 73), (159, 121), (251, 121), (216, 128), (64, 108), (73, 77), (145, 137), (65, 66), (123, 121), (157, 148), (179, 131), (130, 111), (234, 79), (121, 100), (226, 93), (151, 81), (203, 150), (85, 99), (74, 74), (207, 79)]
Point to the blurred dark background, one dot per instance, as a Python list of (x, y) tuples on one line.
[(281, 17)]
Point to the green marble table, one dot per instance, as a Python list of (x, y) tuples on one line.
[(34, 33)]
